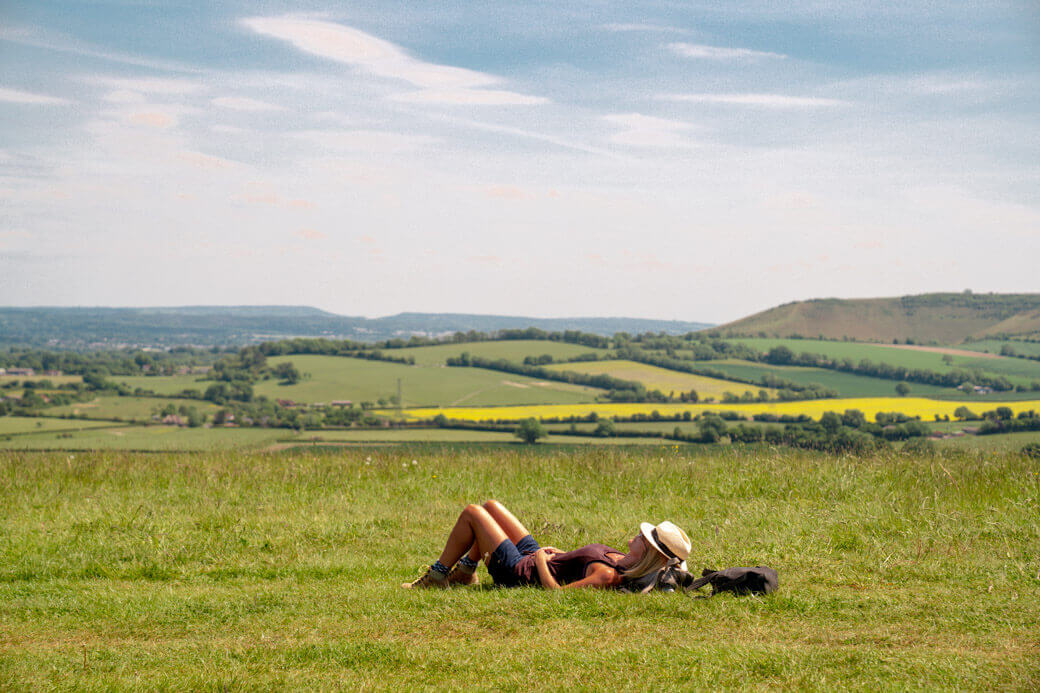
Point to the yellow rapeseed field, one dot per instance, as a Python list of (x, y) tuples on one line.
[(927, 409)]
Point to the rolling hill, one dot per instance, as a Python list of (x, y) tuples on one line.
[(104, 328), (944, 318)]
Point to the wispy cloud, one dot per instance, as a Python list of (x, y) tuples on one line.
[(148, 85), (30, 98), (652, 28), (756, 100), (31, 36), (242, 103), (647, 131), (365, 140), (440, 83), (693, 50)]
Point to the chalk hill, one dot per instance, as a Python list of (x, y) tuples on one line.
[(944, 318)]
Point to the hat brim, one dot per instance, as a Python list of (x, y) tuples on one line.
[(647, 530)]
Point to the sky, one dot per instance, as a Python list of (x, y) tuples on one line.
[(675, 160)]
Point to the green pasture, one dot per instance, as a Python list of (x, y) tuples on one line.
[(993, 346), (54, 379), (329, 378), (1006, 442), (34, 424), (164, 384), (511, 350), (845, 384), (1018, 371), (128, 408), (268, 571), (662, 379), (148, 438)]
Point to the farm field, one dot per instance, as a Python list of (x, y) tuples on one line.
[(164, 384), (39, 424), (281, 571), (1007, 442), (54, 379), (662, 379), (128, 408), (359, 380), (993, 346), (447, 435), (845, 384), (1018, 371), (927, 409), (511, 350), (148, 438)]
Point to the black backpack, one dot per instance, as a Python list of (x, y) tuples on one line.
[(757, 580)]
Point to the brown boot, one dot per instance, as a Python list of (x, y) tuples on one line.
[(459, 576), (431, 578)]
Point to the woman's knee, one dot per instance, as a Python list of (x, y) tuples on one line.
[(493, 505)]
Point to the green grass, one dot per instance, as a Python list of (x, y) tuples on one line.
[(341, 378), (993, 346), (845, 384), (31, 424), (54, 379), (278, 572), (662, 379), (1007, 442), (164, 384), (128, 408), (511, 350), (155, 438), (1018, 371)]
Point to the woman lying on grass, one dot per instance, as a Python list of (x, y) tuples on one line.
[(514, 558)]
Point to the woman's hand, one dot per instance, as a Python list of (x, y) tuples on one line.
[(541, 563)]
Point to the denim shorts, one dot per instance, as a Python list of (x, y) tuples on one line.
[(505, 557)]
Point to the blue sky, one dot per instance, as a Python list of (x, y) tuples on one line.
[(685, 160)]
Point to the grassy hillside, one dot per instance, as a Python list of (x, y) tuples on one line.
[(928, 318), (511, 350), (661, 379), (341, 378), (280, 572)]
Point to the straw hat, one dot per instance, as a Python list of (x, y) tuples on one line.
[(668, 539)]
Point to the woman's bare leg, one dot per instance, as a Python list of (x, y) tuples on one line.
[(506, 520), (475, 530)]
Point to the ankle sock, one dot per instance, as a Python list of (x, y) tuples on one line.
[(467, 564), (440, 568)]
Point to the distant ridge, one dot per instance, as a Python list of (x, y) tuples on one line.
[(102, 328), (941, 318)]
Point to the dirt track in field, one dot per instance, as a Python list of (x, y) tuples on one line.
[(944, 350)]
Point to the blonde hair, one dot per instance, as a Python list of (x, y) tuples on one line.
[(652, 561)]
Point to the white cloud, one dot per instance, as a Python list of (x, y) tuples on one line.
[(30, 98), (365, 140), (759, 100), (242, 103), (692, 50), (470, 97), (444, 83), (148, 85), (647, 131), (619, 28)]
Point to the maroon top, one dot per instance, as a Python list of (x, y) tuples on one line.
[(567, 567)]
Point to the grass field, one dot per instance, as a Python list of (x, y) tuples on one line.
[(993, 346), (163, 384), (845, 384), (54, 379), (128, 408), (33, 424), (358, 380), (511, 350), (662, 379), (277, 572), (927, 409), (1018, 371), (155, 438)]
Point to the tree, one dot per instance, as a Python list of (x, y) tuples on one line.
[(902, 389), (530, 430), (964, 414), (605, 429), (831, 422), (780, 355)]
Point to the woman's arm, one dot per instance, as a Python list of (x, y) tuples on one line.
[(541, 562), (599, 575)]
